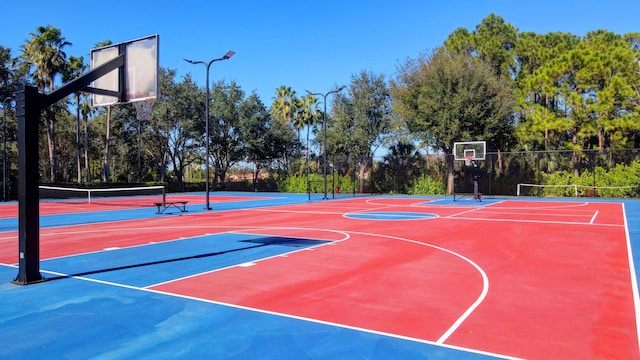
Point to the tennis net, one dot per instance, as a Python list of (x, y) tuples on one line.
[(574, 190), (142, 196)]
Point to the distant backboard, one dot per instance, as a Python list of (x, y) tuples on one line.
[(141, 70), (474, 149)]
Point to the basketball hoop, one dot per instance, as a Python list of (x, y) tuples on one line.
[(144, 109), (467, 160)]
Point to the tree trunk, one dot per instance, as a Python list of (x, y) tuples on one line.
[(51, 145), (450, 176), (576, 156), (163, 169), (363, 168), (106, 147), (86, 148), (256, 171)]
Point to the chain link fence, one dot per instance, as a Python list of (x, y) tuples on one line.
[(612, 173)]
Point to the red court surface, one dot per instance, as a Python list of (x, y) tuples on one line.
[(532, 280), (519, 279)]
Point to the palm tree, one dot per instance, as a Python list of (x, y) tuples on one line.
[(285, 108), (44, 53), (76, 67), (284, 104), (309, 114)]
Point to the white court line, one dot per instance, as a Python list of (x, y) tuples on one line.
[(342, 326), (463, 212), (558, 206), (587, 214), (316, 321), (298, 211), (472, 307), (253, 231), (632, 271), (443, 337), (532, 221)]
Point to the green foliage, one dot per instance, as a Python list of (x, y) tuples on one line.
[(403, 163), (298, 184), (625, 176), (454, 97), (426, 185), (361, 118)]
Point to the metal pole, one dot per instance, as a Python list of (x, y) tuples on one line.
[(206, 117), (78, 152), (324, 146), (4, 150), (228, 55), (324, 126), (306, 164), (139, 154), (86, 150), (4, 153)]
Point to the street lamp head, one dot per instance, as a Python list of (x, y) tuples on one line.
[(342, 87), (190, 61), (228, 54)]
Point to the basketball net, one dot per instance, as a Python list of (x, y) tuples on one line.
[(144, 109), (467, 160)]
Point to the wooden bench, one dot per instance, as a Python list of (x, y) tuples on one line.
[(180, 205)]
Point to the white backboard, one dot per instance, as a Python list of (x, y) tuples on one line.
[(141, 70)]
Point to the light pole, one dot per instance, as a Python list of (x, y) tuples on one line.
[(324, 130), (4, 148), (226, 56)]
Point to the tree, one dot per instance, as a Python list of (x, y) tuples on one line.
[(285, 108), (225, 144), (581, 97), (309, 115), (360, 120), (183, 106), (44, 52), (403, 163), (493, 41), (5, 72), (454, 97), (74, 69), (255, 123)]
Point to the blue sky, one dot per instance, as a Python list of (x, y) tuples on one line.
[(314, 45)]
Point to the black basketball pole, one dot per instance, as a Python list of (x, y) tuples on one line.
[(29, 104), (28, 111)]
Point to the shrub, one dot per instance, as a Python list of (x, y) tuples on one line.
[(425, 185), (608, 182)]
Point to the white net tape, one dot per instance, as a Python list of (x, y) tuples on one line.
[(575, 190)]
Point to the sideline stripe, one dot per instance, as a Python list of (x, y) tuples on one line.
[(632, 270)]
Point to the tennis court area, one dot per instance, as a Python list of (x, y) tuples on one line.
[(277, 276)]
